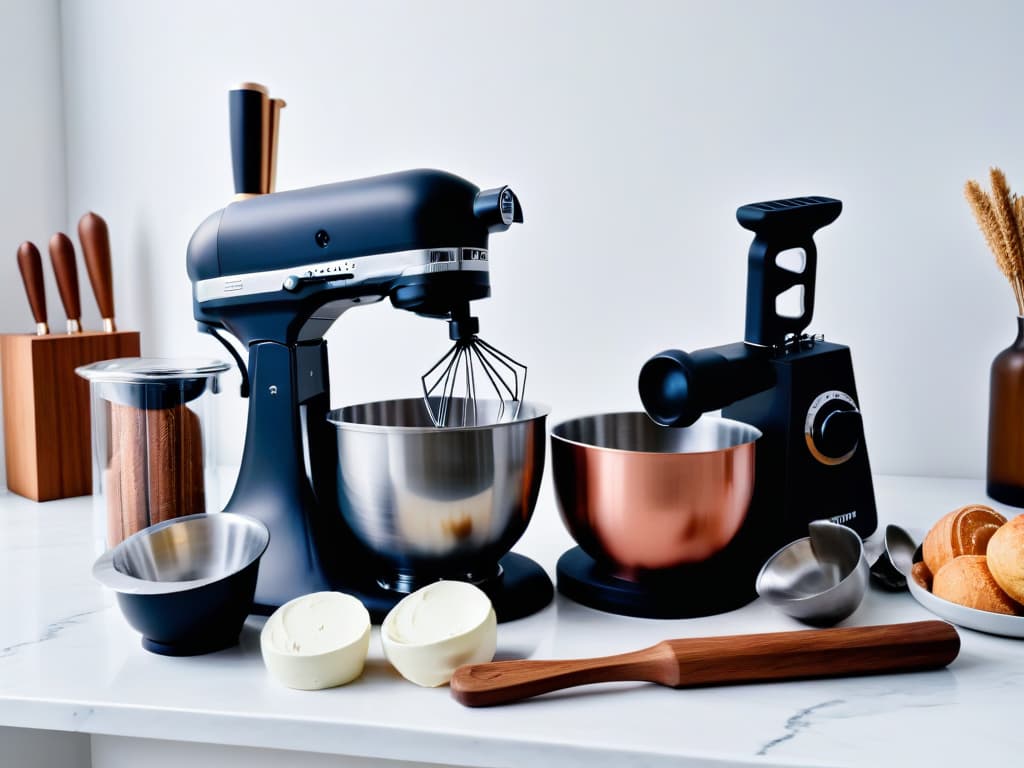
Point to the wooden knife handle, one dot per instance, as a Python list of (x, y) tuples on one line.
[(62, 254), (31, 266), (95, 240), (723, 661), (249, 117)]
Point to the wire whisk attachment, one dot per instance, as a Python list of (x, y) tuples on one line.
[(457, 390)]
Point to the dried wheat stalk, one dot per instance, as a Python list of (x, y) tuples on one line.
[(1001, 220)]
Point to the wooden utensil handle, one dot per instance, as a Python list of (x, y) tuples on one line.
[(814, 653), (95, 239), (31, 265), (722, 660), (62, 254), (500, 682)]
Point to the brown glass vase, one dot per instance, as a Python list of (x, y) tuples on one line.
[(1006, 424)]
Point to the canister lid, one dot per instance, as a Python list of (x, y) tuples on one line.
[(150, 370), (152, 383)]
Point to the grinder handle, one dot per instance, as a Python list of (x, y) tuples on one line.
[(782, 225)]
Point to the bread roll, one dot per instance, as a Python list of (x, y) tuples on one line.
[(963, 531), (966, 580), (1006, 558)]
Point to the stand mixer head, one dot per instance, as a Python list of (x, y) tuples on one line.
[(276, 271)]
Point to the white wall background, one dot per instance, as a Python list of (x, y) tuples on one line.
[(32, 181), (631, 132)]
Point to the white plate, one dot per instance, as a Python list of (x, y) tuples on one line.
[(983, 621)]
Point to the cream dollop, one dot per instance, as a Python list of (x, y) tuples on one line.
[(317, 641), (317, 623), (439, 611), (438, 628)]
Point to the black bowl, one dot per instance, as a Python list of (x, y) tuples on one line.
[(187, 584)]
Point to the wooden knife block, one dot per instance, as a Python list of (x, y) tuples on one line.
[(47, 436)]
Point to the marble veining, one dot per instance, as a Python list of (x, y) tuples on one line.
[(50, 631), (795, 724)]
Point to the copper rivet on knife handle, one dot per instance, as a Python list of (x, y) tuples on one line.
[(62, 255), (95, 239), (30, 264)]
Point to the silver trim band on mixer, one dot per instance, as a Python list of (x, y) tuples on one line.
[(352, 271)]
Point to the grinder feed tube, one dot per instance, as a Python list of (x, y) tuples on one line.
[(677, 387)]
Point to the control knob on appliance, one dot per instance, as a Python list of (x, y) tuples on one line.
[(834, 427), (498, 209)]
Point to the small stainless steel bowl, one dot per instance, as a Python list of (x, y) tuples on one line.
[(637, 496), (187, 584), (434, 502), (819, 580)]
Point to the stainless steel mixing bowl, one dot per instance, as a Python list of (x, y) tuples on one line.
[(639, 497), (432, 501), (187, 584), (819, 580)]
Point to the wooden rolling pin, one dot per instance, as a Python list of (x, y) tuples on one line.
[(722, 661)]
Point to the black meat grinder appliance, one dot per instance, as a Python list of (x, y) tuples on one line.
[(797, 389), (276, 270)]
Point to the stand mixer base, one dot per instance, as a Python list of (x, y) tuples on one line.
[(702, 589), (522, 589)]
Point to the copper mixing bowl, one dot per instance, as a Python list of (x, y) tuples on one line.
[(637, 496)]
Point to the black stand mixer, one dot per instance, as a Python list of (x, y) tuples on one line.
[(276, 270), (798, 390)]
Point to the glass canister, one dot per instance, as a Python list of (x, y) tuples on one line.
[(153, 442)]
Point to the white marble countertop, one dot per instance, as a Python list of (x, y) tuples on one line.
[(68, 661)]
